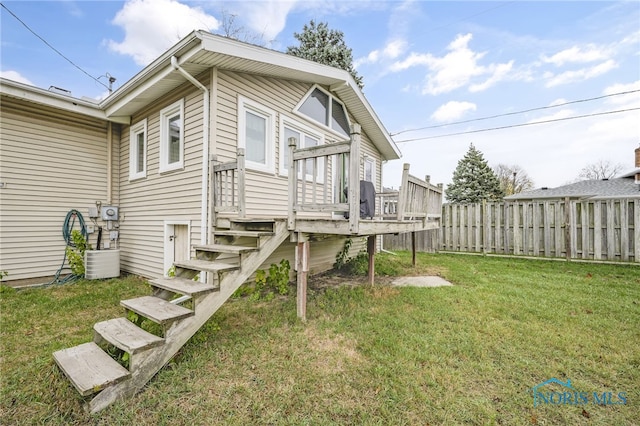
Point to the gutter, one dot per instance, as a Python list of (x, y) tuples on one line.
[(204, 236)]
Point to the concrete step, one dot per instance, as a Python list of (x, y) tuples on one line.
[(89, 368), (125, 335), (156, 309)]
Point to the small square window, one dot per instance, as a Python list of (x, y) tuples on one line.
[(138, 150)]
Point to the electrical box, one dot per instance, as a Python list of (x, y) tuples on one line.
[(93, 212), (109, 213)]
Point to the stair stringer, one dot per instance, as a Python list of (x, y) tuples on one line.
[(181, 331)]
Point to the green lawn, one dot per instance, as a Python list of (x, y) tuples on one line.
[(467, 354)]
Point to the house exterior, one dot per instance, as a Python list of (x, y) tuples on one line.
[(214, 161), (625, 186), (152, 147)]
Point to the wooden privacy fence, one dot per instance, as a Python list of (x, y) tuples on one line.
[(591, 229)]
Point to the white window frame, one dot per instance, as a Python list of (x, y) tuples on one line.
[(134, 160), (286, 122), (165, 115), (244, 106), (328, 116), (372, 162)]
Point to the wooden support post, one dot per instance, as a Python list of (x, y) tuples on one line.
[(242, 209), (371, 250), (413, 249), (293, 184), (302, 260), (354, 179)]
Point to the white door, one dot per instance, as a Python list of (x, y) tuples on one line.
[(177, 243)]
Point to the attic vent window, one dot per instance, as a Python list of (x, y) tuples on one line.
[(325, 109)]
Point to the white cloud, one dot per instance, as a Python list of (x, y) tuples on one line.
[(452, 110), (558, 101), (589, 53), (390, 51), (266, 18), (500, 71), (580, 75), (629, 100), (455, 69), (15, 76), (618, 88), (563, 113), (152, 26)]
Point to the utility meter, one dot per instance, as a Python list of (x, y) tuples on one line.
[(109, 212)]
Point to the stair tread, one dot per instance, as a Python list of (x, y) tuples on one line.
[(252, 220), (184, 286), (225, 248), (127, 336), (156, 309), (89, 368), (238, 233), (206, 265)]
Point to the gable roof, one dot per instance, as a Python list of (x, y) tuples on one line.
[(199, 51), (592, 189)]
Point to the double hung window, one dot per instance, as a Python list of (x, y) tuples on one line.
[(138, 150), (172, 137)]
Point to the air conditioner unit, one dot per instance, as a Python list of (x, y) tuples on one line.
[(101, 264)]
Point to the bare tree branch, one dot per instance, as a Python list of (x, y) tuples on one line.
[(513, 179), (600, 170)]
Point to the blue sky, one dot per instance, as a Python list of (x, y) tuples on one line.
[(424, 64)]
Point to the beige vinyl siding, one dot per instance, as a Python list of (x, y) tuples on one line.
[(51, 162), (267, 193), (169, 196)]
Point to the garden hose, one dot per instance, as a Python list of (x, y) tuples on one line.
[(67, 228)]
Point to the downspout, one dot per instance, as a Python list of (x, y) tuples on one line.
[(204, 235), (109, 163)]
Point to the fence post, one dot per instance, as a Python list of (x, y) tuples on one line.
[(567, 228)]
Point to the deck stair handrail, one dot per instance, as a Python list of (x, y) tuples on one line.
[(310, 189), (228, 185), (418, 199)]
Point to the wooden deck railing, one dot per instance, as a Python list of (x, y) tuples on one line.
[(228, 186), (310, 190), (418, 199)]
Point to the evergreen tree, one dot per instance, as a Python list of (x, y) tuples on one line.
[(473, 180), (320, 44)]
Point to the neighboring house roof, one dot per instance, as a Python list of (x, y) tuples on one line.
[(200, 51), (586, 189)]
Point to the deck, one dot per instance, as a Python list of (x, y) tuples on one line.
[(316, 208)]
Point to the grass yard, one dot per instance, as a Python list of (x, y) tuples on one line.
[(467, 354)]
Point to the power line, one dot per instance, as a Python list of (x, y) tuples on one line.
[(50, 46), (514, 113), (517, 125)]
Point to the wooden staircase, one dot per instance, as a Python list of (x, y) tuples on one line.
[(236, 254)]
